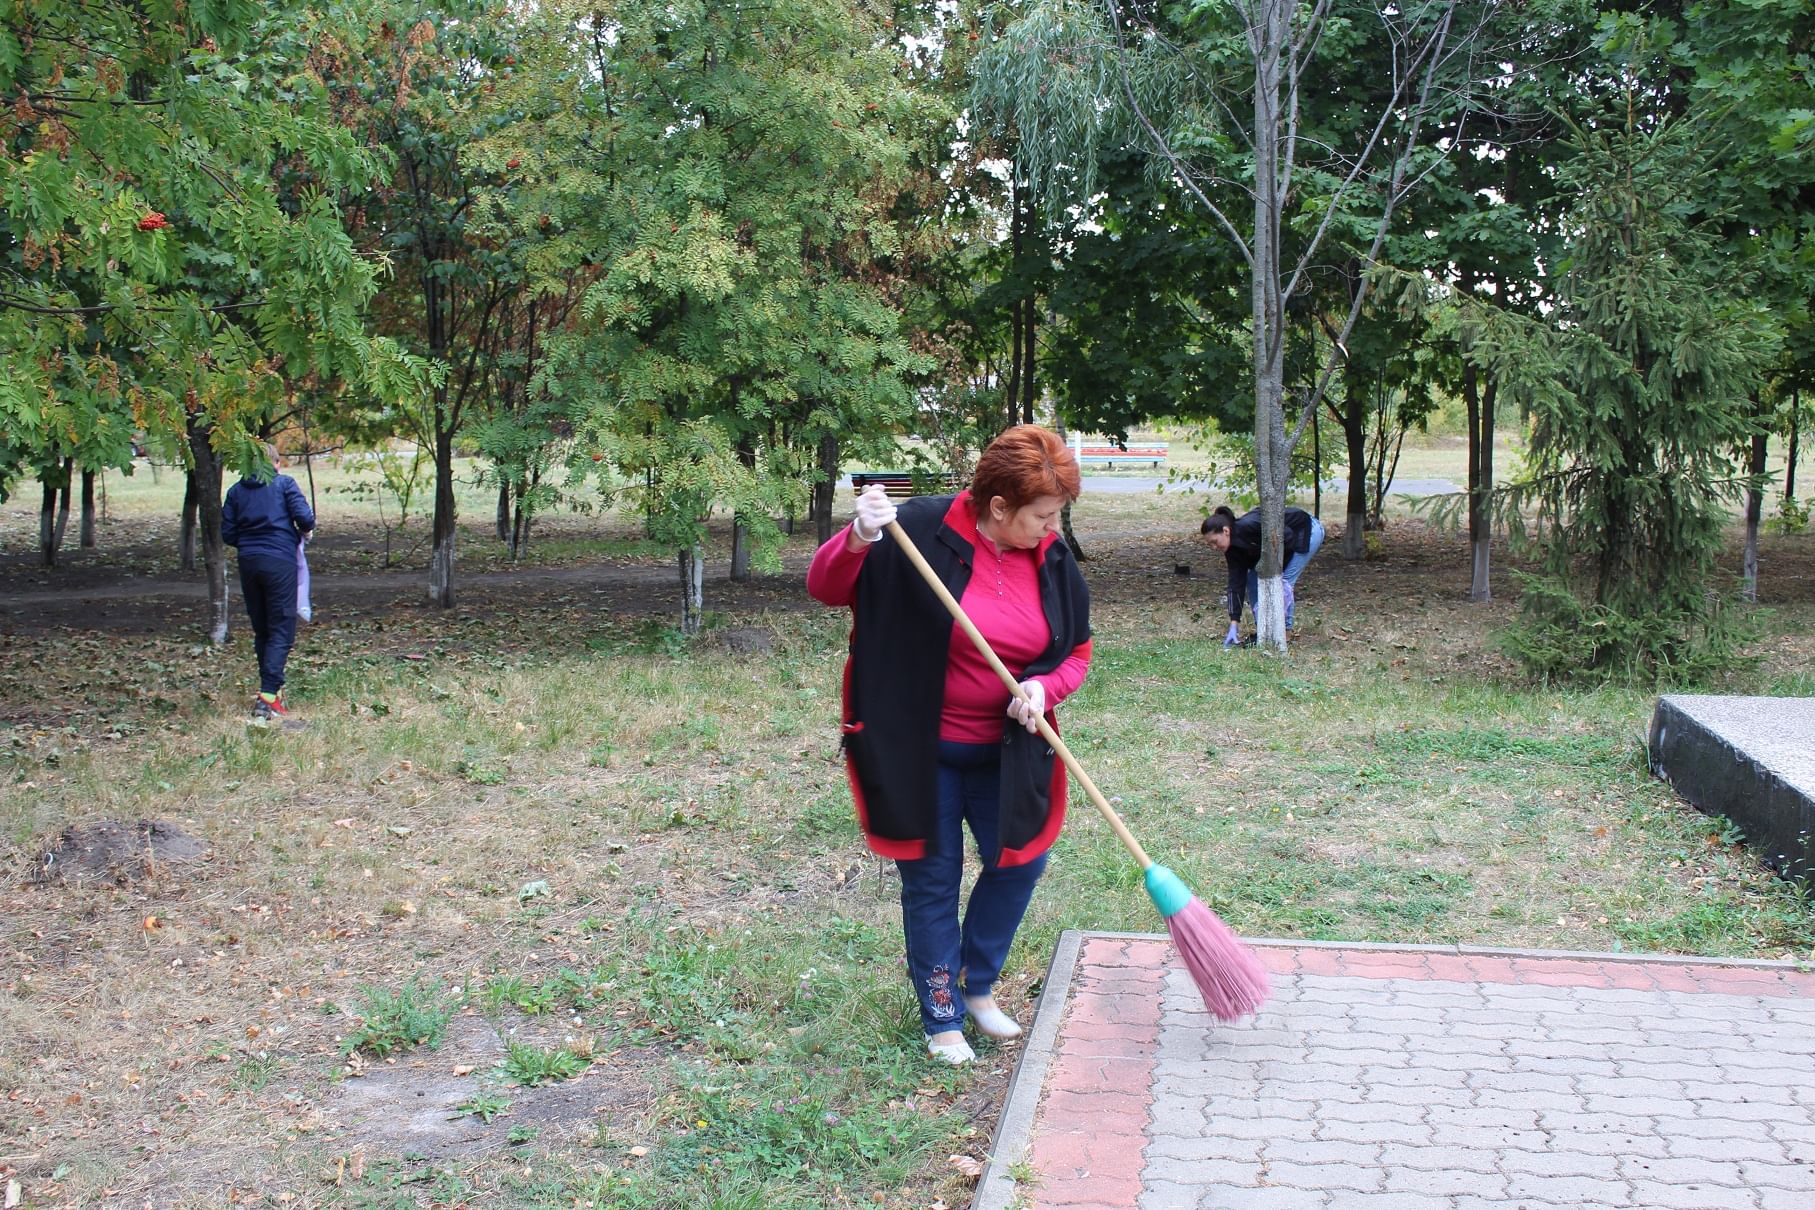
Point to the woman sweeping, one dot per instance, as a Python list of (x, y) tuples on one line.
[(927, 735)]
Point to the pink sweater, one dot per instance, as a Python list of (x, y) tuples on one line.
[(1003, 600)]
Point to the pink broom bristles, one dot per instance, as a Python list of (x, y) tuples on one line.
[(1228, 974)]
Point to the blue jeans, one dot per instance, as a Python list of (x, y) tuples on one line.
[(1295, 567), (938, 952), (268, 584)]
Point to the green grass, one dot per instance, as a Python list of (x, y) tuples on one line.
[(714, 933)]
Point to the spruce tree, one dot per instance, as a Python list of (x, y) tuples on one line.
[(1639, 383)]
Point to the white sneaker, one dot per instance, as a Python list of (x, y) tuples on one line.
[(950, 1047), (991, 1021)]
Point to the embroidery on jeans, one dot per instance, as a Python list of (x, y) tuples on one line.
[(939, 993)]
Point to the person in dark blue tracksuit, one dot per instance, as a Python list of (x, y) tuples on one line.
[(266, 519)]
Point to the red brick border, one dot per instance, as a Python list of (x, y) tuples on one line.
[(1098, 1101)]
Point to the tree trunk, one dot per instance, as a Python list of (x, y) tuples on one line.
[(1271, 454), (504, 511), (207, 480), (740, 550), (1011, 396), (826, 488), (1030, 317), (1755, 509), (441, 560), (185, 542), (518, 533), (1789, 474), (1071, 538), (1317, 464), (47, 521), (740, 530), (1478, 502), (1355, 436), (64, 495), (693, 588), (88, 509)]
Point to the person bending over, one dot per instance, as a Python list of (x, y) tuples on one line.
[(266, 518), (928, 732), (1238, 539)]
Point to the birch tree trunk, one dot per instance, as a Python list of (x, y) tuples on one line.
[(693, 588)]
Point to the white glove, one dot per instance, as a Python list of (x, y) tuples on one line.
[(1029, 712), (874, 512)]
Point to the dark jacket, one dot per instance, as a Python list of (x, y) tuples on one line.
[(894, 687), (1243, 555), (266, 518)]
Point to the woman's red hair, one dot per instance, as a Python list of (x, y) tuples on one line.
[(1023, 464)]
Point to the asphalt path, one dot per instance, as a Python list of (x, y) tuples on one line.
[(1147, 483)]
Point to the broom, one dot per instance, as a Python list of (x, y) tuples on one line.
[(1228, 975)]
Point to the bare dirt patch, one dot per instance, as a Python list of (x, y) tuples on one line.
[(118, 852), (413, 1106)]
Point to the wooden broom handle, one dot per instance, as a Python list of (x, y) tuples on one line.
[(1014, 687)]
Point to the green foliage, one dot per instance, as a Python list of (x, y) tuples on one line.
[(1792, 516), (1640, 381), (531, 1066), (413, 1015), (1230, 465), (171, 253), (1562, 636), (729, 203)]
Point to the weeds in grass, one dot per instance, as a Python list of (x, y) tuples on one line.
[(254, 1073), (484, 1105), (413, 1015), (532, 1066)]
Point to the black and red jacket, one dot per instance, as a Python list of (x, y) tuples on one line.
[(894, 686)]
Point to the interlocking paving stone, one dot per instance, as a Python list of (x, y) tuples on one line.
[(1416, 1078)]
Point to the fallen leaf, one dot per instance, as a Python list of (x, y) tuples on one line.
[(465, 1069), (968, 1166)]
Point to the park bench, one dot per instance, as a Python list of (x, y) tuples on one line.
[(899, 485), (1107, 454)]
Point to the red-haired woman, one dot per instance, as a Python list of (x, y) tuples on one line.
[(928, 744)]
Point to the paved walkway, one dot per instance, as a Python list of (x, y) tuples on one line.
[(1413, 1078)]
